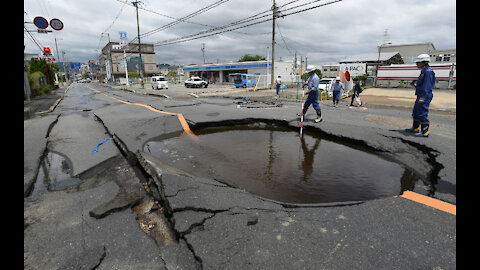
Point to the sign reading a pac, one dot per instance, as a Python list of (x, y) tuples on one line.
[(40, 22)]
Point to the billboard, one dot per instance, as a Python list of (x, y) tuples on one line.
[(355, 69)]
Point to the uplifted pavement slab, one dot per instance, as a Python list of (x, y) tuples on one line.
[(60, 231), (76, 136)]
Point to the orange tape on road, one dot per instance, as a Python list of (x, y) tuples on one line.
[(182, 120), (435, 203)]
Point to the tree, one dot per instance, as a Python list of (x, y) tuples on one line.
[(362, 78), (248, 57), (172, 73), (42, 66)]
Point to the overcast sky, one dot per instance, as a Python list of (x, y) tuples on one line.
[(325, 35)]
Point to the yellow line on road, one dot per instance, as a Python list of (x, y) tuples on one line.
[(180, 117)]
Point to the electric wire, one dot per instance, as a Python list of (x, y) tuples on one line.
[(223, 29)]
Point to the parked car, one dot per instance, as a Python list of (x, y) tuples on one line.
[(159, 82), (195, 82), (325, 84)]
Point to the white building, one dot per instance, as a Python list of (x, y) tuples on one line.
[(402, 75)]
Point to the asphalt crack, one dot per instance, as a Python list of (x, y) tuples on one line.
[(31, 186)]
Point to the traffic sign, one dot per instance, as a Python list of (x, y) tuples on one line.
[(40, 22), (46, 50), (43, 31), (56, 24), (123, 35)]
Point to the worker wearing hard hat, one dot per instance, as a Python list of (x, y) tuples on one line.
[(312, 82), (423, 91), (337, 88)]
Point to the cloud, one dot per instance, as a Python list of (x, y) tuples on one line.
[(325, 35)]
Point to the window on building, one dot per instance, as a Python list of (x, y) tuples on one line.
[(446, 57)]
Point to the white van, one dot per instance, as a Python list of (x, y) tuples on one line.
[(159, 82), (325, 84)]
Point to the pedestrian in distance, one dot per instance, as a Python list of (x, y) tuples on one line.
[(423, 90), (357, 89), (312, 83), (278, 83), (337, 89)]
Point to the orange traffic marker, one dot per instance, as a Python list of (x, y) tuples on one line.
[(432, 202)]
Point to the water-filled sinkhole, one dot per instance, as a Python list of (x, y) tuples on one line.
[(273, 162)]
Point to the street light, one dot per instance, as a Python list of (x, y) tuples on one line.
[(378, 60)]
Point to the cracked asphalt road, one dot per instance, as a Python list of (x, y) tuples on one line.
[(131, 211)]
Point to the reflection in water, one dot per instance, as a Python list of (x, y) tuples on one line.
[(307, 163), (409, 179), (54, 174), (262, 159), (271, 158)]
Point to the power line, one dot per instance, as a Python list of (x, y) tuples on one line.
[(183, 19), (177, 20), (226, 28), (110, 26), (286, 46)]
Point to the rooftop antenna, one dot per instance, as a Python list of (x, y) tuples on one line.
[(385, 37)]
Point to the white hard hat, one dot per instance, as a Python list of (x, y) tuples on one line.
[(422, 58), (337, 79), (310, 69)]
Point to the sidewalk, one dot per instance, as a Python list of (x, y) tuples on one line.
[(41, 104), (443, 100)]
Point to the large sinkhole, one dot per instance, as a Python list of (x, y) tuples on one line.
[(273, 162)]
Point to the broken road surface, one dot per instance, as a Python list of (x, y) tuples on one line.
[(131, 211)]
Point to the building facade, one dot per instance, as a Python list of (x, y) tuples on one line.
[(371, 60), (409, 52), (220, 73), (112, 57), (443, 62)]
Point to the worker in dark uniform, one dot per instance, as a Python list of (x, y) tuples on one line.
[(423, 91), (357, 89)]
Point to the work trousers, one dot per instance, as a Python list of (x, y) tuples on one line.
[(420, 110), (313, 100)]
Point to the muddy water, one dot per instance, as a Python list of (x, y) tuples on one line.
[(54, 174), (273, 162)]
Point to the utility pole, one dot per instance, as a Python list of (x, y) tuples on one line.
[(139, 43), (58, 58), (203, 52), (110, 59), (274, 8)]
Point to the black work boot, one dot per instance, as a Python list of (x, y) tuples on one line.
[(319, 116), (425, 130), (415, 128)]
